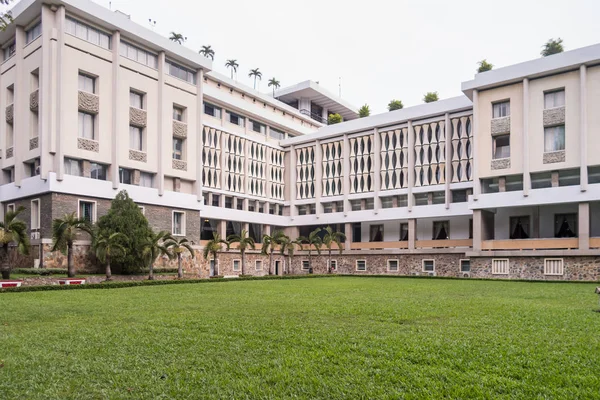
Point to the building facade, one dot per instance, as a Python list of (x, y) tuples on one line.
[(500, 182)]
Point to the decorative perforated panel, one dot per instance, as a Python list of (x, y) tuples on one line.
[(276, 173), (361, 164), (305, 173), (211, 157), (462, 154), (332, 168), (234, 163), (257, 169), (430, 154), (394, 159)]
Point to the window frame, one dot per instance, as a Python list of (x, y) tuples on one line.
[(500, 103), (139, 132), (183, 219), (553, 92), (91, 77), (181, 113), (555, 131), (174, 152), (11, 207), (38, 216), (239, 265), (303, 263), (332, 262), (388, 262), (258, 263), (495, 146), (81, 132), (460, 264), (94, 204), (425, 261), (103, 167), (30, 38), (494, 268), (561, 267), (362, 260)]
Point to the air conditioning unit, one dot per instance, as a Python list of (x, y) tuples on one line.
[(431, 274), (414, 273), (466, 274), (35, 235)]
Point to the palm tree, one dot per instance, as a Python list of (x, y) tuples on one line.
[(313, 240), (364, 111), (177, 38), (395, 105), (233, 65), (287, 246), (154, 247), (484, 66), (107, 245), (207, 52), (64, 232), (244, 242), (552, 46), (268, 245), (256, 74), (212, 248), (14, 230), (275, 83), (430, 97), (329, 239), (178, 247)]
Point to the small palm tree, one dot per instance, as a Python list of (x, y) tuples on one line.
[(177, 38), (178, 247), (364, 111), (12, 230), (552, 46), (313, 240), (430, 97), (64, 232), (288, 246), (207, 52), (212, 248), (484, 65), (256, 74), (268, 245), (154, 247), (107, 245), (275, 83), (329, 239), (233, 65), (244, 243), (395, 105)]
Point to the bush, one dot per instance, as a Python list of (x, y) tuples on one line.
[(40, 271), (334, 119)]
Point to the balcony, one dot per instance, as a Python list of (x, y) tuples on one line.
[(419, 244), (532, 244), (378, 245), (314, 116)]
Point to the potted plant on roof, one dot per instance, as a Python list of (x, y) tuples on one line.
[(12, 231)]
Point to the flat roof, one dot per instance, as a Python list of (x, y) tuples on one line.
[(319, 95), (543, 66)]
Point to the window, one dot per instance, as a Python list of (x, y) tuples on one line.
[(565, 225), (403, 232), (441, 230), (87, 33), (9, 175), (10, 207), (361, 265), (125, 176), (177, 149), (136, 99), (178, 227), (34, 170), (403, 201), (139, 55), (235, 119), (228, 202), (146, 179), (33, 33), (376, 233), (333, 265), (369, 204), (178, 113), (428, 265), (392, 265), (438, 197), (465, 265), (181, 72), (86, 83), (86, 125), (421, 199), (305, 265), (251, 207), (554, 99), (554, 138), (212, 110), (519, 227), (554, 266), (136, 138), (98, 171), (501, 146), (258, 127), (236, 265), (276, 134), (10, 50), (239, 204), (142, 210), (501, 109), (355, 204), (356, 232), (216, 200), (387, 202), (10, 94), (327, 208), (87, 211), (272, 209), (35, 214), (459, 196), (258, 265), (500, 266), (72, 167)]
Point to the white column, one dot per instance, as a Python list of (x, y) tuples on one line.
[(346, 173), (60, 99), (448, 134), (325, 114), (476, 152), (292, 181), (377, 174), (318, 177), (45, 92), (525, 143), (411, 164), (163, 128), (477, 229), (116, 109), (20, 108), (584, 226), (583, 136), (199, 128)]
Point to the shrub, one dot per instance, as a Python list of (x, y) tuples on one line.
[(40, 271), (334, 119)]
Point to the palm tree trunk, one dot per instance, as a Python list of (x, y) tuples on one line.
[(151, 271), (4, 265), (243, 262), (216, 270), (179, 269), (271, 262), (108, 271), (70, 267), (329, 263), (309, 260)]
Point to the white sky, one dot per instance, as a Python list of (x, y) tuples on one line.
[(380, 49)]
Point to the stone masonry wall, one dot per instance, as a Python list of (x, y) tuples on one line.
[(575, 268)]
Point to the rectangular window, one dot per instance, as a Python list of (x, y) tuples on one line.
[(276, 134), (554, 266), (73, 167), (554, 99), (146, 179), (459, 196), (565, 225), (305, 265), (181, 72), (87, 211), (86, 83), (216, 200), (272, 209), (465, 265), (403, 232), (519, 227), (87, 33), (239, 204), (10, 50), (387, 202), (333, 265), (228, 202), (501, 109), (392, 265), (178, 113), (258, 265), (251, 207), (177, 149), (441, 230), (235, 119), (376, 233), (178, 227), (35, 214), (258, 127), (98, 171), (327, 208), (501, 146), (33, 33), (125, 176), (500, 266), (236, 265), (554, 138), (428, 265), (421, 199), (369, 204), (212, 110), (10, 207), (361, 265), (138, 55), (355, 204), (356, 232), (136, 138), (136, 99), (9, 175), (86, 125)]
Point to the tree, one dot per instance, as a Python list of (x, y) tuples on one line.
[(177, 38), (430, 97), (364, 111), (64, 232), (233, 65), (287, 246), (212, 248), (106, 246), (124, 216), (207, 52), (552, 46), (154, 247), (275, 83), (256, 74), (178, 247), (331, 238), (334, 119), (313, 240), (395, 105), (268, 245), (12, 230), (484, 65), (244, 242)]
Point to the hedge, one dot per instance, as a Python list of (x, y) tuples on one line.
[(39, 271)]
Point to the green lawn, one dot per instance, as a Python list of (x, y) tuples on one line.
[(332, 338)]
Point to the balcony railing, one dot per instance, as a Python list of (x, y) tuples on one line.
[(378, 245), (419, 244), (595, 243), (316, 117), (531, 244)]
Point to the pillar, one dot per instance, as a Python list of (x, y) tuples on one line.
[(477, 230), (412, 233), (476, 181), (448, 134), (411, 167), (60, 98), (584, 226), (163, 126), (348, 233), (346, 174), (116, 109), (199, 128), (583, 128), (525, 143), (318, 177), (377, 175)]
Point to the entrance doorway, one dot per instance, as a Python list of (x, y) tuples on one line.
[(277, 266)]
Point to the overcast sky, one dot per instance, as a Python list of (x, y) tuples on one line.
[(380, 49)]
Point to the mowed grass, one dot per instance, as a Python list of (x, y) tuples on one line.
[(332, 338)]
